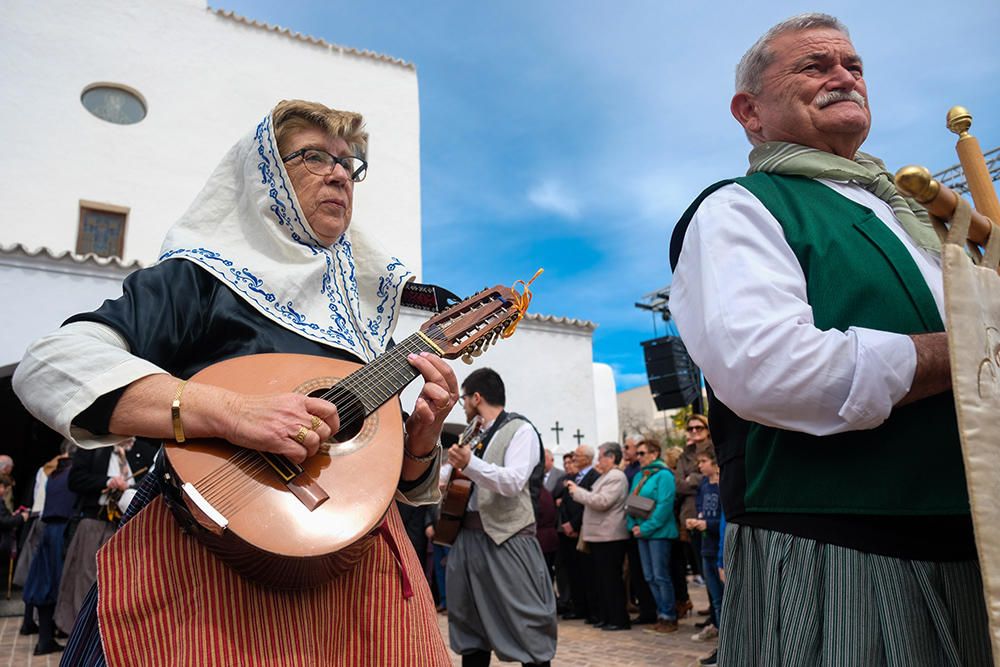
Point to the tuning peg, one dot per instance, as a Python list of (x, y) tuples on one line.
[(476, 351), (467, 358)]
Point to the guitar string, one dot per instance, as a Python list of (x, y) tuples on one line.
[(211, 481), (390, 369), (394, 368), (396, 364), (224, 489), (236, 493)]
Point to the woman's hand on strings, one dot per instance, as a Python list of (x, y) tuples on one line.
[(437, 397)]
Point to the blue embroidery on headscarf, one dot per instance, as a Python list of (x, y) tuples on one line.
[(202, 252), (287, 312), (384, 293), (254, 283)]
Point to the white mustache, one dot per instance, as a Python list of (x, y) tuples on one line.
[(826, 99)]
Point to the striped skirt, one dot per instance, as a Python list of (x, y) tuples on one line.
[(165, 600), (791, 601)]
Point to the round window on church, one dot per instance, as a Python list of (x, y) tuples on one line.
[(114, 103)]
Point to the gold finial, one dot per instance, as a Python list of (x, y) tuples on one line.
[(959, 121), (915, 181)]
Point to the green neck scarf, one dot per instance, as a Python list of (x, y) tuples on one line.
[(778, 157)]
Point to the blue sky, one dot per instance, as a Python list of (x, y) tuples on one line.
[(572, 135)]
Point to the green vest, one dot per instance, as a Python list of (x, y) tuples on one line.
[(858, 273)]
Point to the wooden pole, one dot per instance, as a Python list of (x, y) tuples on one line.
[(977, 175)]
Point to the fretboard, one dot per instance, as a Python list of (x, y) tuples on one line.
[(379, 380)]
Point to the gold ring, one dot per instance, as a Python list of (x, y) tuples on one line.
[(316, 422), (300, 437)]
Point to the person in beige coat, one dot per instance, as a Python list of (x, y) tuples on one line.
[(605, 534)]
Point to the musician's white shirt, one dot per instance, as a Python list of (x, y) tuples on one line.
[(519, 460), (739, 300)]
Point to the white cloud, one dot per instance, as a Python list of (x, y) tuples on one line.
[(553, 197)]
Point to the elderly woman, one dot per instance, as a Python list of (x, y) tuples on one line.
[(604, 530), (265, 260), (655, 531)]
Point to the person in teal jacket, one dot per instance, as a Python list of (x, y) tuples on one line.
[(654, 533)]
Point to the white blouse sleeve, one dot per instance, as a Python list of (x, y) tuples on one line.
[(739, 300), (64, 372)]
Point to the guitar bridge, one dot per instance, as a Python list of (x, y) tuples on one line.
[(298, 481)]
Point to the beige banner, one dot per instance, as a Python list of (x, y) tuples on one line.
[(972, 305)]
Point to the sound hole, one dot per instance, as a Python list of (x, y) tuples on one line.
[(351, 412)]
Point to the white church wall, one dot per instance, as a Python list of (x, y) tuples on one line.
[(605, 405), (40, 292), (207, 80)]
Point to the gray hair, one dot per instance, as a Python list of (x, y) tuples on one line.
[(587, 451), (750, 71), (612, 449), (6, 464)]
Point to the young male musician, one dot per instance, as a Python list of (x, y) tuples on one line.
[(499, 593)]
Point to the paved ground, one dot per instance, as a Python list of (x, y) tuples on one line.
[(579, 644), (582, 646)]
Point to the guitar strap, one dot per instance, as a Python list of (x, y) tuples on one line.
[(432, 298)]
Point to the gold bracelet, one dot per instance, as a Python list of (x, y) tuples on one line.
[(426, 458), (175, 413)]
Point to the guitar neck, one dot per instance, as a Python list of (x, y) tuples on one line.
[(372, 385)]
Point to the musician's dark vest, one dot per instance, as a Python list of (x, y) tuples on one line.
[(858, 273), (505, 516)]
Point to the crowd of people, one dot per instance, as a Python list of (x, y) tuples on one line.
[(624, 531), (77, 499)]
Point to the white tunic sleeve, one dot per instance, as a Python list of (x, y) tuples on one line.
[(64, 372), (739, 300), (519, 460)]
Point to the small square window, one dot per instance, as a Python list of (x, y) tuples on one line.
[(102, 229)]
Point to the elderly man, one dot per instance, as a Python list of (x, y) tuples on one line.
[(579, 563), (553, 476), (810, 294)]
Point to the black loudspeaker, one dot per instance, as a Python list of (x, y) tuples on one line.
[(674, 380)]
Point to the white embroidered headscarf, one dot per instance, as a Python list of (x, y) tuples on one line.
[(247, 229)]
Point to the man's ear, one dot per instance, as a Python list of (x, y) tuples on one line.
[(744, 110)]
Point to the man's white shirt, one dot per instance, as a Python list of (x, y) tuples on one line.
[(739, 300), (519, 460)]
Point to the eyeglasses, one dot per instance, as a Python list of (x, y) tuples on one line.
[(642, 452), (322, 163), (695, 429)]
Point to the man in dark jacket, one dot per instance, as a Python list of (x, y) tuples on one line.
[(571, 518)]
